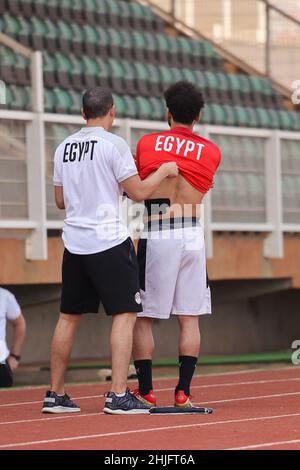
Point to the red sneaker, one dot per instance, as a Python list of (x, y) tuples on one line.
[(149, 399), (182, 400)]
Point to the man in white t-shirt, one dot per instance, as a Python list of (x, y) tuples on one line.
[(9, 360), (92, 169)]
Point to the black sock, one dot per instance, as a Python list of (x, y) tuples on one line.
[(143, 369), (187, 365)]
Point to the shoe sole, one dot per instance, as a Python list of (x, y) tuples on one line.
[(122, 412), (60, 409)]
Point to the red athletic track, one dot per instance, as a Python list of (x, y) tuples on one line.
[(252, 410)]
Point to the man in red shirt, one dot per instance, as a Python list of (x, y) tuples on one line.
[(171, 250)]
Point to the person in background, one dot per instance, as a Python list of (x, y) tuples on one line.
[(10, 359)]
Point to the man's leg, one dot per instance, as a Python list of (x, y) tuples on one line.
[(189, 348), (61, 350), (6, 377), (121, 349), (143, 347)]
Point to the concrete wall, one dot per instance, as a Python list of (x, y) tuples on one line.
[(249, 323)]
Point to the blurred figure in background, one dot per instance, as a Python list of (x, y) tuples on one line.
[(9, 359)]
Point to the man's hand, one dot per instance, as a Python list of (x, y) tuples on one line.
[(13, 363), (170, 169)]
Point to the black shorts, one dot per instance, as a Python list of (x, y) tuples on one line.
[(6, 376), (110, 277)]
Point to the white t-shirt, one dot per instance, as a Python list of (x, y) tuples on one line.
[(91, 165), (9, 310)]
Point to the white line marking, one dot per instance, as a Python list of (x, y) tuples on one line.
[(86, 415), (230, 400), (158, 379), (136, 431), (228, 384), (54, 417), (270, 444)]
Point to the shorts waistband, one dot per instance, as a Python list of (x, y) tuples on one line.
[(171, 224)]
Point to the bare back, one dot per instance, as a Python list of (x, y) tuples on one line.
[(185, 199)]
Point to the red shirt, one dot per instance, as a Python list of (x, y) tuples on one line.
[(197, 158)]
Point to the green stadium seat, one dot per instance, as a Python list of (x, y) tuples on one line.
[(116, 75), (64, 37), (38, 32), (49, 100), (76, 102), (125, 14), (65, 10), (77, 42), (185, 51), (130, 106), (7, 65), (252, 117), (264, 119), (155, 85), (62, 101), (103, 42), (144, 108), (163, 49), (51, 41), (49, 69), (218, 114), (231, 116), (241, 116), (90, 40), (142, 79), (151, 48), (159, 110), (139, 46), (129, 78), (285, 121), (120, 105), (41, 8), (91, 72), (63, 70), (103, 72), (20, 98), (89, 12), (22, 70), (52, 9), (114, 43)]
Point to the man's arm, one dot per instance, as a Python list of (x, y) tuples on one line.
[(19, 330), (139, 190), (59, 197)]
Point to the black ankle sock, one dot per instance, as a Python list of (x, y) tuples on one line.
[(187, 365), (144, 373)]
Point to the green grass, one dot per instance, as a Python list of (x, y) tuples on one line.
[(267, 358)]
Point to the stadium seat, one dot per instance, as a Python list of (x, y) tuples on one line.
[(130, 106), (116, 75), (91, 72), (120, 105), (144, 108)]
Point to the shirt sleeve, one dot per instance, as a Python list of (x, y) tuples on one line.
[(123, 164), (137, 156), (13, 310), (57, 176)]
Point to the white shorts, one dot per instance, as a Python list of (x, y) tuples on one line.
[(172, 264)]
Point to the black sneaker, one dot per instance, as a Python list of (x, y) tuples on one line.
[(128, 404), (56, 404)]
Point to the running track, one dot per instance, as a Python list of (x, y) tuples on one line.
[(252, 410)]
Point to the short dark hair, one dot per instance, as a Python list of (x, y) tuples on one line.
[(96, 102), (184, 101)]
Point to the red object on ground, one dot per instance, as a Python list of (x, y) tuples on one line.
[(252, 410)]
